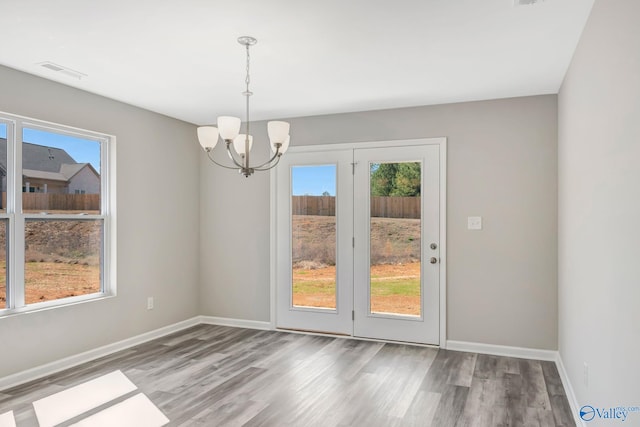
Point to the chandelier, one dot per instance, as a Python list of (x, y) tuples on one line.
[(239, 144)]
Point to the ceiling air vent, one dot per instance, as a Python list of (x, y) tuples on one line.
[(62, 70), (526, 2)]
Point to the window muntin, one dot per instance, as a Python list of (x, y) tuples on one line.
[(57, 214)]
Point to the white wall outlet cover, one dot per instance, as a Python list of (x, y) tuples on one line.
[(474, 223)]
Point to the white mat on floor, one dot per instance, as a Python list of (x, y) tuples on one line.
[(137, 411), (7, 420), (77, 400)]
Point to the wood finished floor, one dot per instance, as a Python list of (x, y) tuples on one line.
[(220, 376)]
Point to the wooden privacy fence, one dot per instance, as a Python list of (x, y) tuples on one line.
[(313, 205), (395, 207), (57, 202), (384, 207)]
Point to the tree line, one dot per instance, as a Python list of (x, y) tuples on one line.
[(395, 179)]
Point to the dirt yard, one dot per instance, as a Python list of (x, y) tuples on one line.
[(395, 255), (46, 281), (62, 260)]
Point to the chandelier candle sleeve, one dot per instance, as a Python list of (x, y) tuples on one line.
[(238, 145)]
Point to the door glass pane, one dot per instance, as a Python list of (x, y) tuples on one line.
[(3, 263), (3, 168), (61, 173), (62, 259), (394, 286), (313, 240)]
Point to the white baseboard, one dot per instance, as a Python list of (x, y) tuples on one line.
[(503, 350), (236, 323), (568, 389), (77, 359)]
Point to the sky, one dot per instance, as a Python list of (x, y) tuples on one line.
[(313, 180), (81, 150)]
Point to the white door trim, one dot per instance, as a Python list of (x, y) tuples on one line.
[(442, 142)]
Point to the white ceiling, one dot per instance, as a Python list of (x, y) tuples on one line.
[(181, 58)]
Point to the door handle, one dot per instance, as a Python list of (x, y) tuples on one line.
[(433, 260)]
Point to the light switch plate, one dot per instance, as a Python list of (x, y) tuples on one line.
[(474, 223)]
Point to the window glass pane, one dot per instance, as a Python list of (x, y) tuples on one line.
[(3, 264), (61, 174), (62, 259), (313, 240), (3, 167), (395, 239)]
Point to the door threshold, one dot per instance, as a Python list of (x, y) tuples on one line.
[(311, 332), (347, 336)]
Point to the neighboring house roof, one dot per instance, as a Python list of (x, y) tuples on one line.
[(42, 162), (38, 157), (51, 176), (66, 172)]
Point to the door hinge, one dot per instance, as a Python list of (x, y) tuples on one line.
[(353, 242), (353, 168), (353, 315)]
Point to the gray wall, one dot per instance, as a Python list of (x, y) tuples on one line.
[(599, 209), (502, 165), (157, 225)]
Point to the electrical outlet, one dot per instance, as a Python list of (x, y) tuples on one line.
[(585, 374), (150, 303), (474, 223)]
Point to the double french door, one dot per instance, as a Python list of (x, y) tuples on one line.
[(358, 241)]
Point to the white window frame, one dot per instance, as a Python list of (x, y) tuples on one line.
[(16, 219)]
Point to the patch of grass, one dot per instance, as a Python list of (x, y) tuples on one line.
[(321, 287), (393, 286), (379, 287)]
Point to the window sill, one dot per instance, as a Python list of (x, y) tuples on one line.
[(48, 305)]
